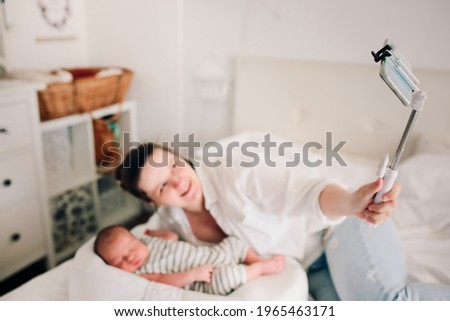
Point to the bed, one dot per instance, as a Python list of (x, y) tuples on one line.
[(300, 101), (87, 277)]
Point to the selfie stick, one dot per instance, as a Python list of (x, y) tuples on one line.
[(397, 74)]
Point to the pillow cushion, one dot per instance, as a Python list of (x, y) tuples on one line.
[(91, 279), (433, 145), (422, 216)]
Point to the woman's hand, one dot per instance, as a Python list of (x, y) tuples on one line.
[(336, 202), (362, 202)]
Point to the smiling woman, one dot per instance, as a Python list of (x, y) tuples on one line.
[(169, 180), (163, 171), (156, 175)]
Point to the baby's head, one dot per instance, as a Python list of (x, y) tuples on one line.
[(119, 248)]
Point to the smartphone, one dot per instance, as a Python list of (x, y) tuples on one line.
[(399, 77)]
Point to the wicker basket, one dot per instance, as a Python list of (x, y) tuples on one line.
[(83, 95)]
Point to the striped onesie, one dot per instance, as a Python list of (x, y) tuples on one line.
[(169, 256)]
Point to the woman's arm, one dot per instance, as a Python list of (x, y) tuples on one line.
[(337, 202), (181, 279)]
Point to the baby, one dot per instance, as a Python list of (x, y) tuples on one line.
[(161, 257)]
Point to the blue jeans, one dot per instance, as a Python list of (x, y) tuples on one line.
[(366, 263)]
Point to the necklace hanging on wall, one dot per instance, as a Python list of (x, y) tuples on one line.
[(55, 12), (56, 20)]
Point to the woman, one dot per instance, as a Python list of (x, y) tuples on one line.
[(280, 210)]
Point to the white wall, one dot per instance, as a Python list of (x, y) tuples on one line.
[(214, 31), (182, 50), (22, 50), (143, 36)]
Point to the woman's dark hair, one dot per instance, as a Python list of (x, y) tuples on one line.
[(129, 171)]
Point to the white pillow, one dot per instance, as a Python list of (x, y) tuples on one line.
[(289, 285), (422, 216), (424, 199), (433, 145), (91, 279)]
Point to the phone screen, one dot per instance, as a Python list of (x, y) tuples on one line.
[(389, 73)]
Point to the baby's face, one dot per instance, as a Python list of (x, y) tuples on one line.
[(126, 252)]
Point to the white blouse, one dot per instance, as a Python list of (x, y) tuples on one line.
[(274, 209)]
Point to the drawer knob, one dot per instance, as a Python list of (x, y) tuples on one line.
[(7, 182), (15, 237), (3, 130)]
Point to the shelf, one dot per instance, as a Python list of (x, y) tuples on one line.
[(73, 120), (59, 172), (67, 183), (83, 198), (77, 213), (70, 250), (113, 109), (64, 122), (69, 157), (120, 216)]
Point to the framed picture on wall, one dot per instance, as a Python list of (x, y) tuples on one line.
[(56, 20)]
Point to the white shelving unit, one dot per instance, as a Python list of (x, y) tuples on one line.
[(52, 195), (82, 198)]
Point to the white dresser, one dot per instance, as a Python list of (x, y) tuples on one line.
[(52, 195), (23, 203)]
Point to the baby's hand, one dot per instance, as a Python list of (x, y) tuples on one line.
[(203, 273)]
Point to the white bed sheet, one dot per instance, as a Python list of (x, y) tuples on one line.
[(422, 217)]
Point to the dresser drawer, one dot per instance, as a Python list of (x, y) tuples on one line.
[(14, 126), (21, 239), (17, 179)]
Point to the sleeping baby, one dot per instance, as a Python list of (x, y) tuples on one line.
[(161, 257)]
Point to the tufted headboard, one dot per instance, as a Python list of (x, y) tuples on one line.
[(302, 100)]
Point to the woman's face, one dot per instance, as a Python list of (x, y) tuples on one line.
[(170, 181)]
